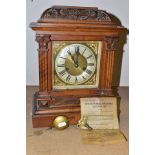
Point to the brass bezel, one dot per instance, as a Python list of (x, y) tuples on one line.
[(96, 47)]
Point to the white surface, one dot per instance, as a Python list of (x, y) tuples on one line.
[(119, 8)]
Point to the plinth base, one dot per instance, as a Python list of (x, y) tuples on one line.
[(45, 110), (47, 120)]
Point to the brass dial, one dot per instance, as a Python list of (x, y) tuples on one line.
[(75, 64)]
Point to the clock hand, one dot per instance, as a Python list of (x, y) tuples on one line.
[(72, 57), (77, 54)]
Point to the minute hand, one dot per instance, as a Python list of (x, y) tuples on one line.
[(77, 54)]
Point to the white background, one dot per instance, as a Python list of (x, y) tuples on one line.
[(13, 77), (119, 8)]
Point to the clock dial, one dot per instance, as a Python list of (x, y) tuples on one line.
[(75, 64)]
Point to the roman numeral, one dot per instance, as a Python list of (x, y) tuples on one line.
[(90, 64), (62, 57), (89, 57), (88, 71), (63, 72), (68, 78), (83, 77), (61, 65), (77, 49), (76, 80)]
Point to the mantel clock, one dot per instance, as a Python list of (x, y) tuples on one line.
[(77, 47)]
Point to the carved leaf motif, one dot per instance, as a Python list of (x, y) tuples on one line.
[(43, 41), (52, 13), (102, 16), (111, 43), (75, 14)]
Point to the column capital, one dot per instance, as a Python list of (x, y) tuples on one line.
[(43, 40), (111, 42)]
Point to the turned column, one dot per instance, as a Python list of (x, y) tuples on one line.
[(109, 48), (43, 51)]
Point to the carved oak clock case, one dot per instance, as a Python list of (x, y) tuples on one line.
[(76, 53)]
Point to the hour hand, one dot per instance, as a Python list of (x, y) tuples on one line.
[(72, 57)]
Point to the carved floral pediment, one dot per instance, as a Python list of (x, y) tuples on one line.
[(75, 13), (82, 19)]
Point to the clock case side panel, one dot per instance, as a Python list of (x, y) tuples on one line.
[(110, 44), (44, 52)]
